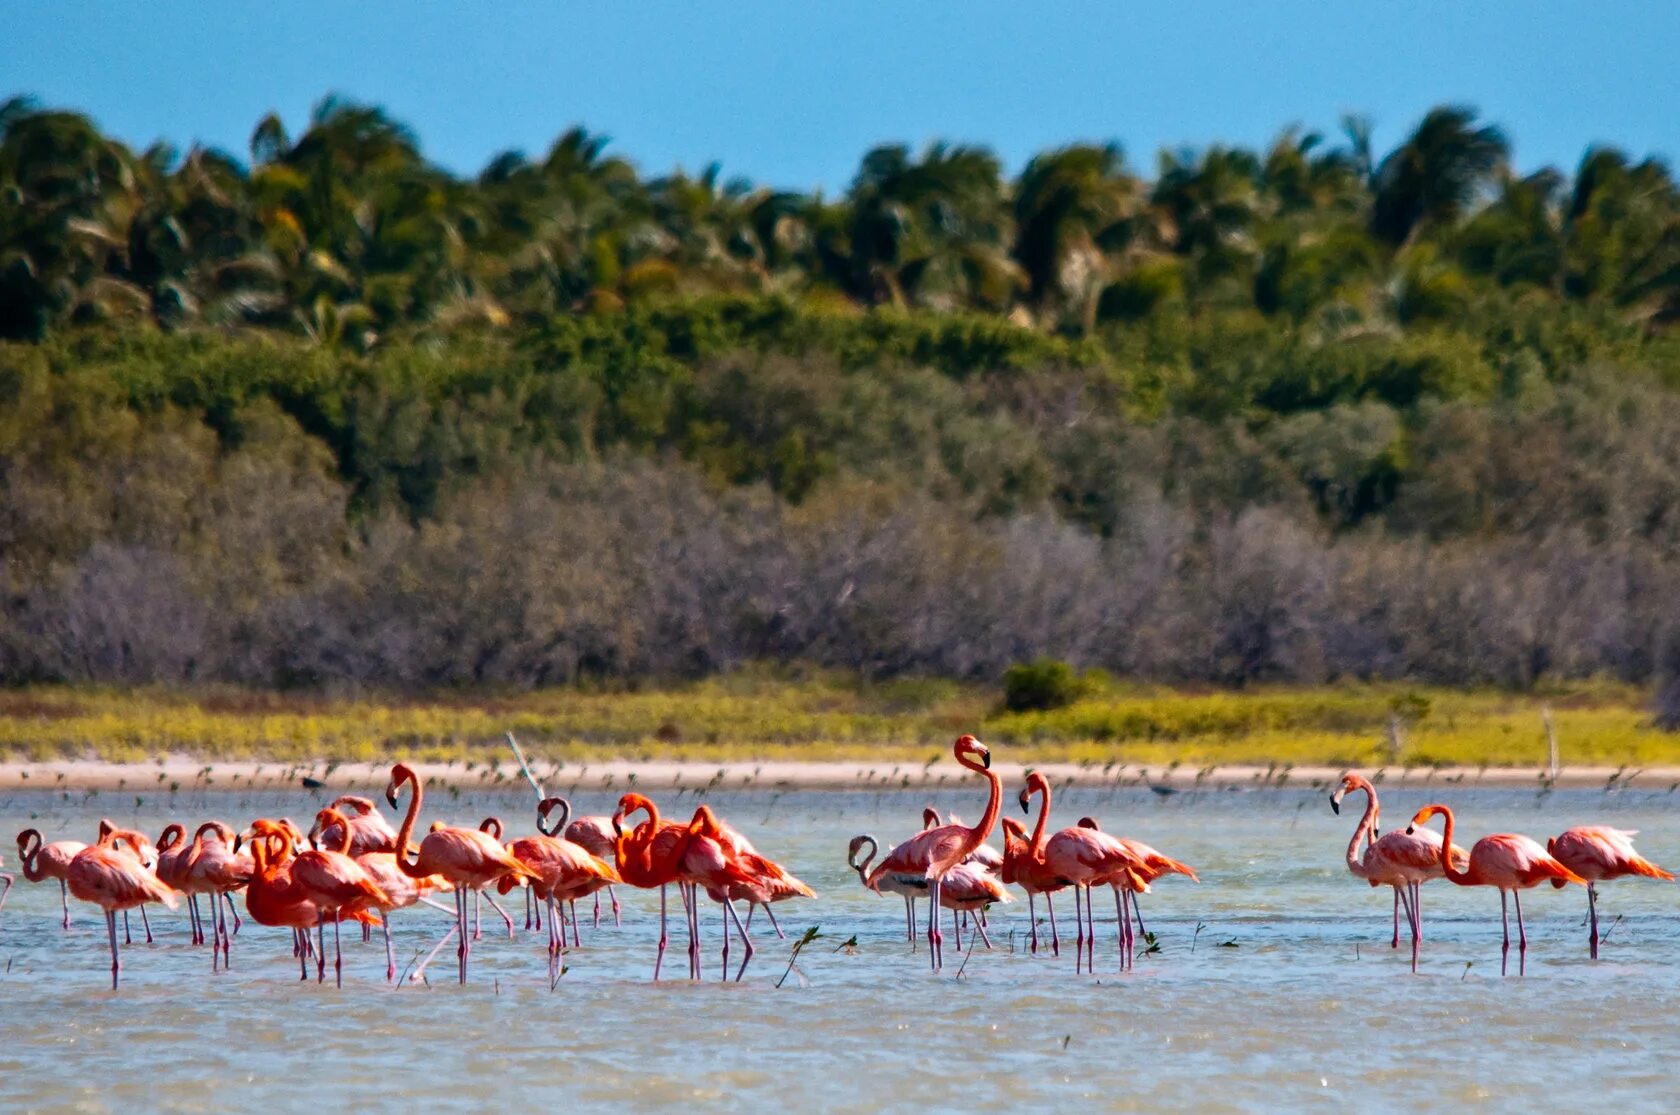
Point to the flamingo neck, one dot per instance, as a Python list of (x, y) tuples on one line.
[(1462, 878), (343, 823), (994, 802), (1362, 831), (1035, 846), (862, 866), (412, 870), (31, 858)]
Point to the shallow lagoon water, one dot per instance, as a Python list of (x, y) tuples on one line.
[(1289, 999)]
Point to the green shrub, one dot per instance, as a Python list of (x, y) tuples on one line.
[(1045, 683)]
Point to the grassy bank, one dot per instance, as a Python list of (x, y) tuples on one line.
[(752, 716)]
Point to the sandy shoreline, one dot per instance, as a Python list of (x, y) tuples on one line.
[(187, 773)]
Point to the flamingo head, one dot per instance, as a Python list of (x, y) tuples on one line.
[(856, 846), (1424, 815), (1349, 783), (968, 745), (400, 773), (628, 804), (1089, 823), (25, 838), (324, 820), (361, 805), (1036, 784), (930, 817)]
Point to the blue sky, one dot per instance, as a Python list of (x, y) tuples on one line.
[(791, 94)]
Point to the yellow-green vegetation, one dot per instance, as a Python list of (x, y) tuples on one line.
[(754, 716)]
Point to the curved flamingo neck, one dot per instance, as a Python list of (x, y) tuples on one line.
[(862, 866), (32, 857), (173, 834), (1462, 878), (994, 802), (1361, 831), (335, 817), (412, 870), (1035, 846)]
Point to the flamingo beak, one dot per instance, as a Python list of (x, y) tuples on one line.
[(391, 795), (986, 759), (1410, 829), (1336, 803)]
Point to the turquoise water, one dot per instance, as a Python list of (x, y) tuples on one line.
[(1287, 998)]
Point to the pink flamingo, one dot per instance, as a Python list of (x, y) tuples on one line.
[(1083, 858), (908, 886), (368, 828), (968, 889), (564, 871), (1598, 854), (1506, 860), (109, 875), (213, 867), (1404, 860), (468, 858), (1155, 865), (595, 836), (335, 884), (933, 852), (1030, 874), (773, 882), (48, 861)]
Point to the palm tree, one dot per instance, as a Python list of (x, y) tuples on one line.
[(1437, 174), (1072, 207)]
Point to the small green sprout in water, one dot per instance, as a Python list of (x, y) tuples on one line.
[(1065, 1039), (811, 934), (849, 946), (1230, 944), (1199, 927), (1466, 975), (1152, 945)]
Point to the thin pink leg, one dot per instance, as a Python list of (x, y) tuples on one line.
[(576, 943), (956, 929), (116, 962), (659, 958), (64, 897), (1522, 936), (980, 928), (146, 924), (1032, 921), (1394, 943), (1055, 938), (1505, 920)]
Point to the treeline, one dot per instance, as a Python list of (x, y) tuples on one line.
[(335, 417)]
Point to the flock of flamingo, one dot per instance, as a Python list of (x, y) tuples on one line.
[(352, 866)]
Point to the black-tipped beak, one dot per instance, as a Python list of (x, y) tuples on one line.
[(618, 829), (986, 759), (391, 796), (1335, 805), (1410, 829)]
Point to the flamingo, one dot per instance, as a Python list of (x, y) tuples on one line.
[(774, 883), (647, 856), (273, 897), (1155, 865), (48, 861), (369, 830), (712, 859), (985, 855), (907, 886), (1506, 860), (595, 836), (563, 871), (1030, 874), (111, 876), (933, 852), (1597, 854), (468, 858), (1404, 860), (215, 868), (146, 852), (401, 892), (1082, 858), (334, 883), (969, 888)]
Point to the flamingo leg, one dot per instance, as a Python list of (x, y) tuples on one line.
[(146, 924), (528, 905), (338, 952), (3, 893), (1592, 913), (64, 897), (390, 950), (980, 928), (1505, 920), (1137, 912), (771, 914), (1415, 912), (597, 924), (612, 893), (747, 949), (215, 935), (299, 938), (537, 905), (576, 943), (227, 896), (321, 946), (1394, 942), (420, 973), (477, 917), (1032, 921), (1078, 929), (465, 943), (1123, 922), (659, 958), (128, 937), (116, 962), (491, 899), (935, 938), (694, 930), (956, 928), (1055, 938), (192, 919), (1090, 931), (1522, 936)]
